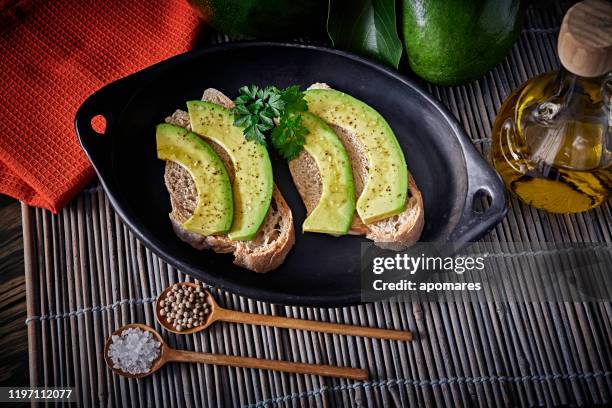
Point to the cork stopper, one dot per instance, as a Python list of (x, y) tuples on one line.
[(585, 38)]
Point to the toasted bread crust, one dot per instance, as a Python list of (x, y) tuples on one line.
[(275, 237), (272, 243), (404, 229), (399, 231)]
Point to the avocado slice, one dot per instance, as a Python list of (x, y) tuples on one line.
[(333, 213), (253, 180), (385, 190), (214, 211)]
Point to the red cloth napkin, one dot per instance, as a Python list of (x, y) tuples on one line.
[(53, 54)]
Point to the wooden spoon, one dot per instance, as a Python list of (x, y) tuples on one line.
[(168, 354), (217, 313)]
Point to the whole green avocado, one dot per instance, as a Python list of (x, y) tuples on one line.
[(264, 18), (454, 41)]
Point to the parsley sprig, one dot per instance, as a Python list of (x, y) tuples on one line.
[(275, 114)]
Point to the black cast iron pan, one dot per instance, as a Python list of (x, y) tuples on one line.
[(320, 270)]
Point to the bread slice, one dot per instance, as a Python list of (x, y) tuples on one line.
[(276, 235), (397, 232)]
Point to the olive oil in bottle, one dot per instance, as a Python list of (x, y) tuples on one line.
[(552, 138)]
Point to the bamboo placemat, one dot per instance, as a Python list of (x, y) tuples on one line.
[(86, 275)]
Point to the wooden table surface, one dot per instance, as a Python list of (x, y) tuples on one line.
[(13, 333)]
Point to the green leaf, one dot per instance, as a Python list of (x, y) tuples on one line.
[(241, 110), (253, 132), (289, 136), (257, 108), (265, 120), (250, 91), (276, 104), (367, 27), (241, 120), (294, 99)]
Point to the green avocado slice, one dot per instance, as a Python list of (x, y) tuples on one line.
[(253, 182), (385, 191), (333, 213), (214, 211)]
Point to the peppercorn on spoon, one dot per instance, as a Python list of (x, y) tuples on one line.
[(217, 313), (169, 355)]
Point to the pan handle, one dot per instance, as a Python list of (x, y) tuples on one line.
[(107, 102), (482, 179)]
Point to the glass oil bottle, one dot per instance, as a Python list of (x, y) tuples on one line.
[(552, 138)]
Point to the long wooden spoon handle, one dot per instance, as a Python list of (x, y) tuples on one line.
[(277, 365), (290, 323)]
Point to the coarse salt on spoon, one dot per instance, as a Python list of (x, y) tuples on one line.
[(217, 313), (168, 355)]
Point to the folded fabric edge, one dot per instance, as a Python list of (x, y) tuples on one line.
[(84, 179), (14, 186)]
